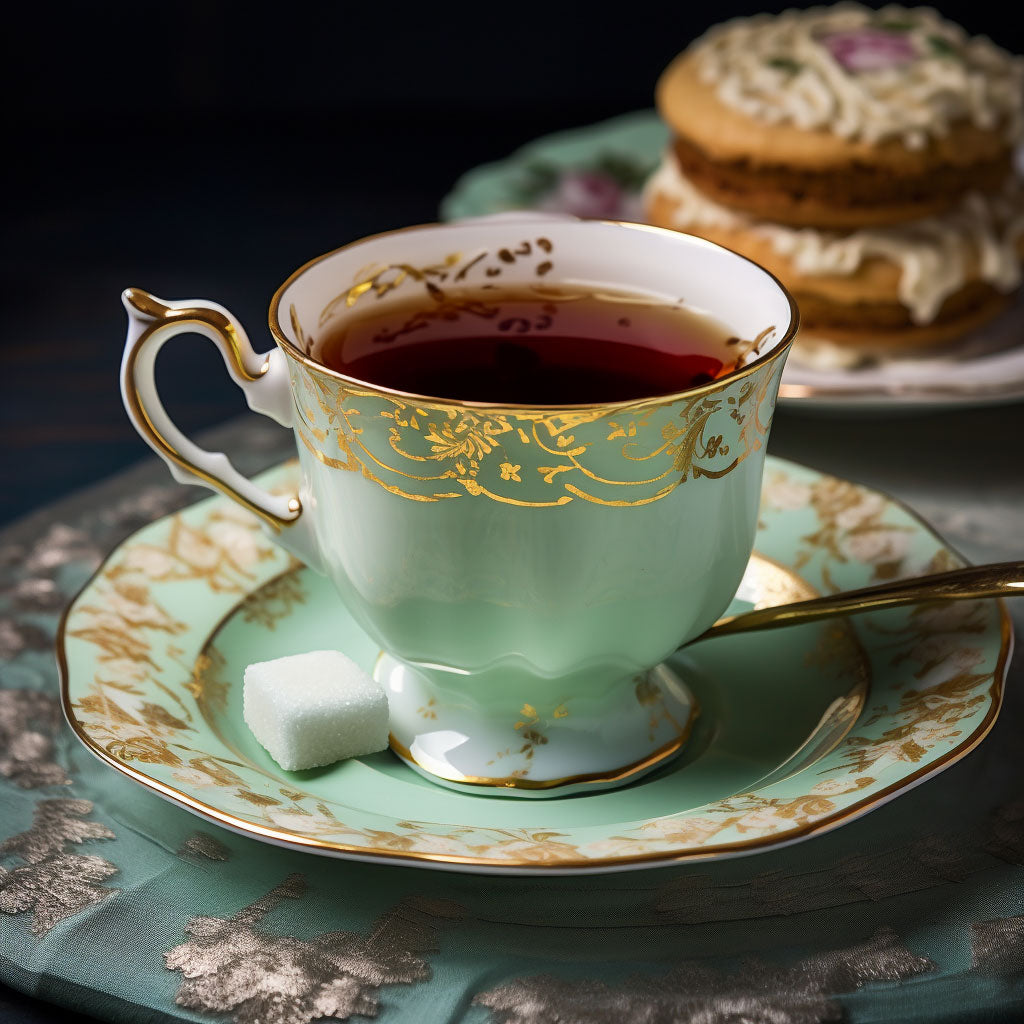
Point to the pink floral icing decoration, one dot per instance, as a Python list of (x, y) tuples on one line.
[(870, 49), (587, 194)]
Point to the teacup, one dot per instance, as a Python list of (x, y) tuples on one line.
[(525, 571)]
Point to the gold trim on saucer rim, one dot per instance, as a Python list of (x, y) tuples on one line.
[(576, 865)]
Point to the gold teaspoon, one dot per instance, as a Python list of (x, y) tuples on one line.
[(1000, 579)]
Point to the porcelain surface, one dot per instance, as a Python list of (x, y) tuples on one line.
[(799, 730), (505, 556)]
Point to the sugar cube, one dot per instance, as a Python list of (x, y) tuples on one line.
[(314, 709)]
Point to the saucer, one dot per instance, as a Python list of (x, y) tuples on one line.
[(800, 730), (599, 170)]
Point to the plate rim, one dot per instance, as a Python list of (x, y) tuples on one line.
[(582, 865)]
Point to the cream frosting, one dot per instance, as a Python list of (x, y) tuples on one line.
[(933, 254), (866, 75)]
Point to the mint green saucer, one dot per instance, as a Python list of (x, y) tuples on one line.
[(798, 730)]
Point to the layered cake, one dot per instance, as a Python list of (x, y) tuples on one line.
[(864, 157)]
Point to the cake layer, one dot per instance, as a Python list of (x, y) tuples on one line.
[(851, 326), (918, 284), (844, 117), (916, 265), (853, 195)]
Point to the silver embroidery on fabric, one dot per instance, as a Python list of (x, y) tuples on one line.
[(28, 723), (37, 594), (235, 966), (60, 545), (997, 947), (759, 993), (51, 882), (200, 844), (16, 637)]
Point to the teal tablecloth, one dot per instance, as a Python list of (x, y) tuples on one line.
[(123, 906)]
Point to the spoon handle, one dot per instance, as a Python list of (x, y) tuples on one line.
[(1000, 579)]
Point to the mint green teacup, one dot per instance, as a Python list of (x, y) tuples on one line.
[(524, 570)]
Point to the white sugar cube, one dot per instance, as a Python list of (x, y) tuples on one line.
[(314, 709)]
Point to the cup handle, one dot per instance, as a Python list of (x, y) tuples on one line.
[(262, 378)]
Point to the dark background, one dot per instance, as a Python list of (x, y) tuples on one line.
[(206, 149)]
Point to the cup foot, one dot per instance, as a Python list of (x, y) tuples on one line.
[(575, 746)]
